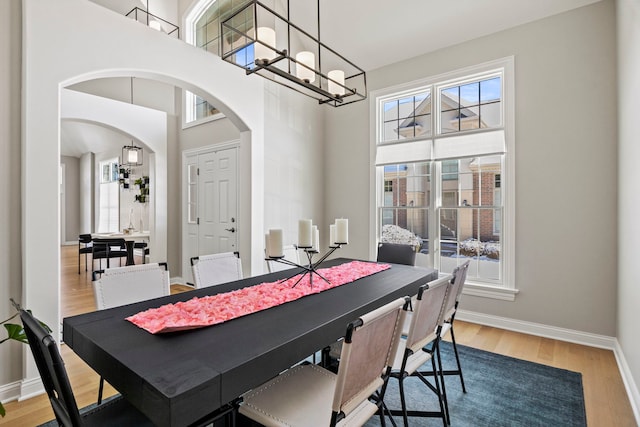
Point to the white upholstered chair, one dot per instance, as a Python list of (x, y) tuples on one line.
[(126, 285), (421, 346), (214, 269), (308, 394)]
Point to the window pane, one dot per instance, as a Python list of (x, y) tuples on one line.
[(449, 121), (450, 98), (423, 125), (490, 114), (470, 94), (390, 110), (490, 90), (390, 131), (470, 118)]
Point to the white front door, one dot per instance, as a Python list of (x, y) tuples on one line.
[(210, 212)]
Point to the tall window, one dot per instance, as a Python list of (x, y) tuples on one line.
[(444, 162), (109, 200), (203, 30)]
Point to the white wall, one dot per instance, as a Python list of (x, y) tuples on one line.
[(565, 83), (628, 15), (10, 134)]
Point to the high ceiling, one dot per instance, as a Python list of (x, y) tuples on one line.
[(370, 33), (374, 33)]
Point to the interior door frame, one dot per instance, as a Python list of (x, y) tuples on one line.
[(235, 144)]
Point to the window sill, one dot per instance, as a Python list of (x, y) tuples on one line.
[(202, 121), (488, 291)]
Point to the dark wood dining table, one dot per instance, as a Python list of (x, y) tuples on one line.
[(181, 378)]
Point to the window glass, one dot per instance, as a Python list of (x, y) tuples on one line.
[(453, 204), (469, 106), (407, 117)]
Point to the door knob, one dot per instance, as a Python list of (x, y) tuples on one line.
[(232, 229)]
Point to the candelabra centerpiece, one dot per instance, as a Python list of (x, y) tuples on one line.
[(309, 242)]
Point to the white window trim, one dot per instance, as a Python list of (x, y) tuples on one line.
[(509, 290)]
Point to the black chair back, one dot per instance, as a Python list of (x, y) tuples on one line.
[(396, 253), (52, 371)]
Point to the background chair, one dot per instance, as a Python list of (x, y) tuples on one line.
[(210, 270), (145, 250), (396, 253), (290, 254), (104, 248), (116, 412), (459, 277), (84, 239), (309, 394), (421, 345), (127, 285)]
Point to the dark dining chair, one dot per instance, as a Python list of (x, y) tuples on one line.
[(115, 412), (108, 248), (396, 253), (84, 239)]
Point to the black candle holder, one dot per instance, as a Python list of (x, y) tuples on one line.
[(311, 268)]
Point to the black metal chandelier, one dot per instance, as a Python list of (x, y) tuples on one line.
[(266, 43)]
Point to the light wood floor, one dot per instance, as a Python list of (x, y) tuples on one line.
[(606, 401)]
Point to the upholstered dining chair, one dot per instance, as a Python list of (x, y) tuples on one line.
[(126, 285), (396, 253), (84, 247), (214, 269), (308, 393), (116, 412), (421, 345), (290, 254), (459, 277)]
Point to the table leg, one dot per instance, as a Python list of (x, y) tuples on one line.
[(129, 246)]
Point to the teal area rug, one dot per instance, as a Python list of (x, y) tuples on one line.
[(501, 392)]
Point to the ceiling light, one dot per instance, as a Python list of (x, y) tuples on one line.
[(131, 155), (263, 42)]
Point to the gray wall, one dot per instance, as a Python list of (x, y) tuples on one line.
[(628, 178), (10, 222), (71, 198), (566, 261)]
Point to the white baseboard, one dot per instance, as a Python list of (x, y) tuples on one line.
[(9, 392), (629, 383), (31, 388), (569, 335)]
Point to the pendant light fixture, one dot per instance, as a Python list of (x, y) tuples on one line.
[(264, 42)]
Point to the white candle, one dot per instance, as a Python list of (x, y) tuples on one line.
[(304, 233), (275, 248), (267, 36), (308, 59), (336, 82), (332, 235), (342, 230), (315, 237)]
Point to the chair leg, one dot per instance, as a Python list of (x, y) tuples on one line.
[(455, 351), (100, 389), (441, 380)]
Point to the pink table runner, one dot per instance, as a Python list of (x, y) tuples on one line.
[(214, 309)]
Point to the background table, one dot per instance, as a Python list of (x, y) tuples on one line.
[(178, 378)]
